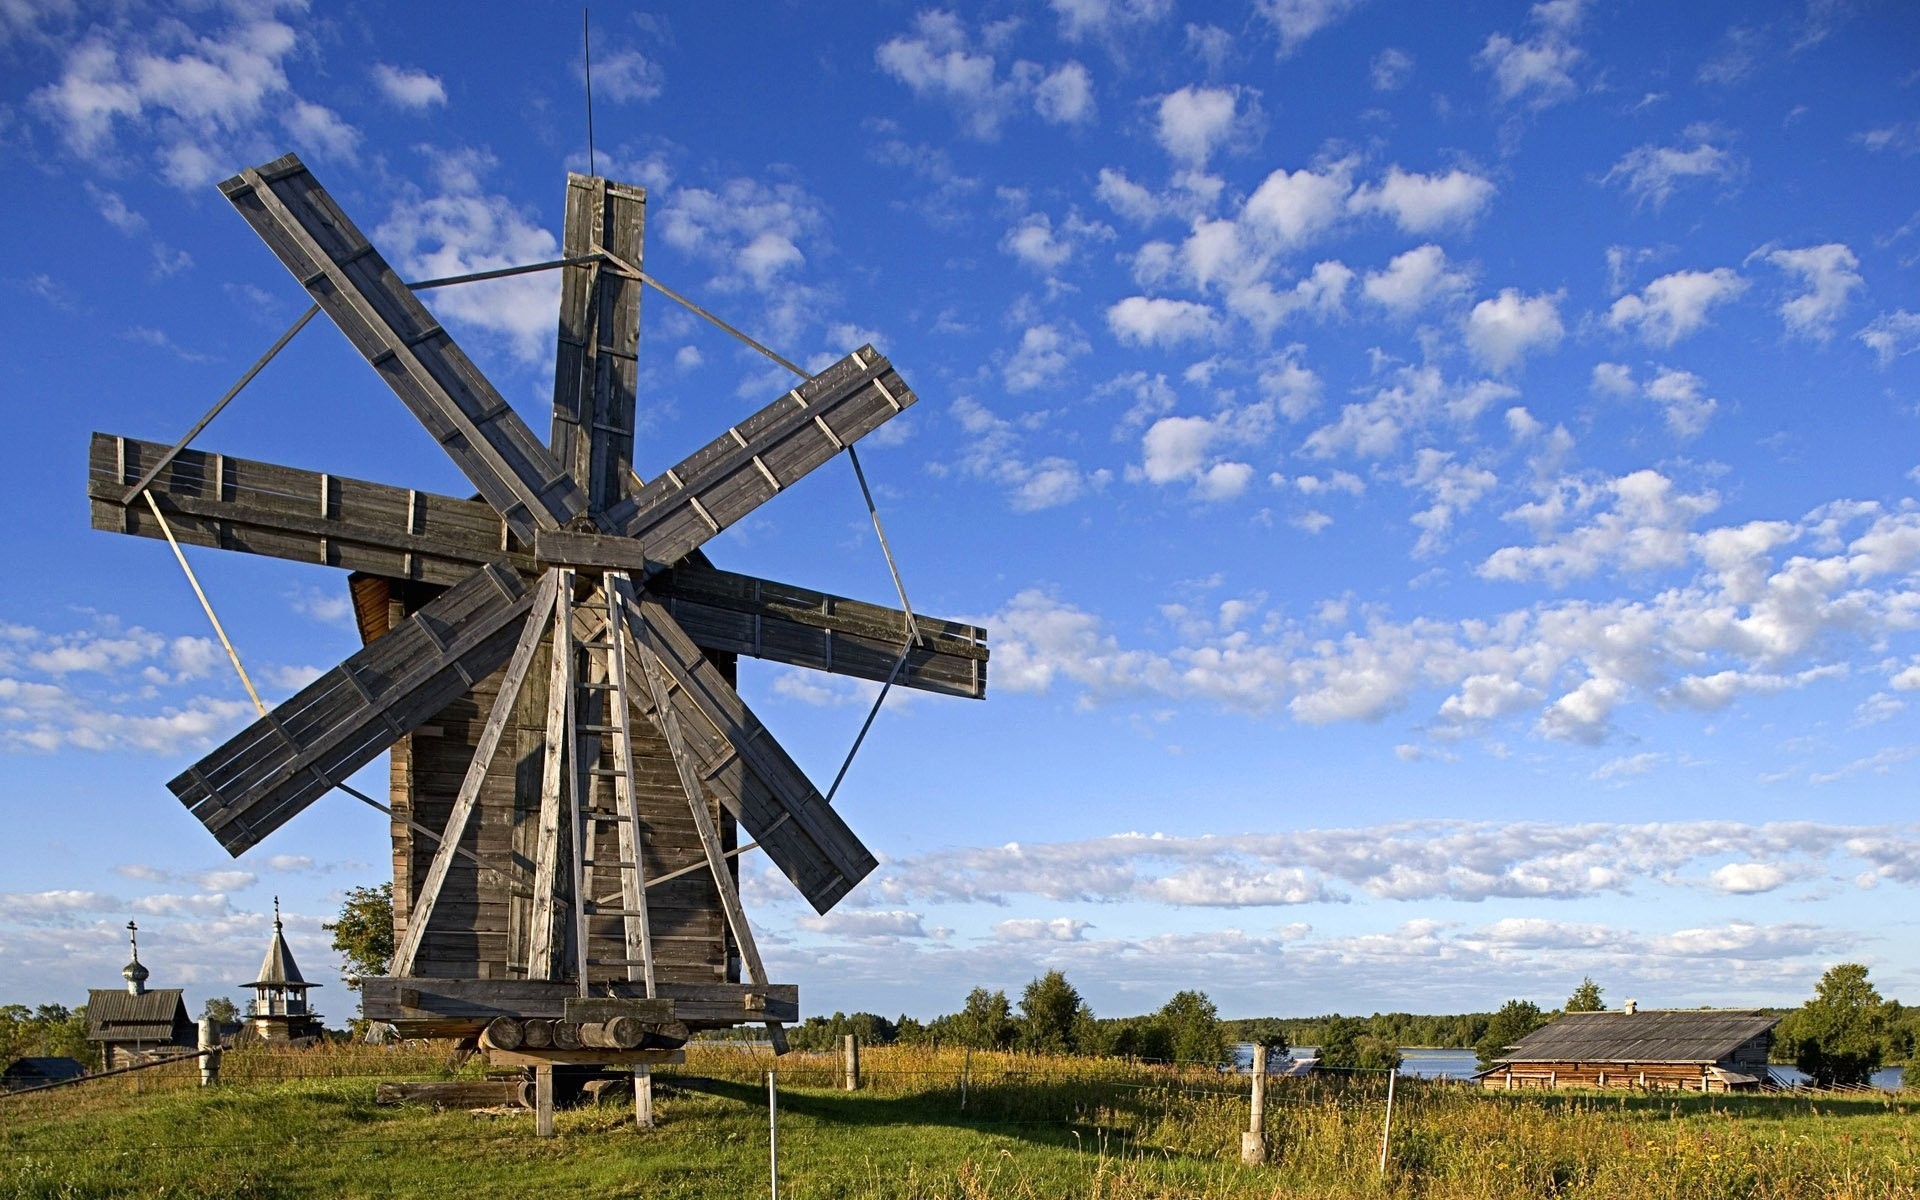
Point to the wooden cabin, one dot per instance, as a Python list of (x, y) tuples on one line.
[(279, 1012), (138, 1025), (1693, 1050)]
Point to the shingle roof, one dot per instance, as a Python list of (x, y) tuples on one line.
[(1685, 1036), (279, 969), (120, 1016)]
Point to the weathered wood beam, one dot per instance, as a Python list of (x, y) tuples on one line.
[(305, 516), (747, 768), (477, 1001), (260, 778), (635, 923), (412, 353), (744, 467), (594, 369), (546, 878), (420, 912)]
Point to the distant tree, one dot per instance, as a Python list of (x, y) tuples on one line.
[(986, 1022), (1047, 1011), (1839, 1030), (909, 1031), (364, 933), (1340, 1041), (1515, 1020), (221, 1009), (1193, 1026), (1586, 997)]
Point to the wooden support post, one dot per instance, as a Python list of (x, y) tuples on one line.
[(1253, 1143), (1386, 1129), (773, 1136), (643, 1097), (546, 867), (209, 1052), (852, 1052), (543, 1100)]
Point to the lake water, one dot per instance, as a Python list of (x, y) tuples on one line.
[(1419, 1063)]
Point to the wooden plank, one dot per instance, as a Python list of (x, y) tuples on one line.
[(594, 363), (469, 794), (781, 809), (547, 856), (450, 1093), (586, 1058), (630, 837), (701, 1005), (273, 769), (353, 284), (744, 467), (233, 503)]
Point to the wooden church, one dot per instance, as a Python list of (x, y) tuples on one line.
[(279, 1012), (138, 1024)]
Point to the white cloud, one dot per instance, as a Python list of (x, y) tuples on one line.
[(1037, 929), (1646, 527), (1295, 207), (1651, 174), (1297, 20), (1426, 204), (1502, 331), (318, 129), (463, 229), (1414, 280), (995, 451), (1892, 335), (1831, 276), (1539, 69), (1081, 20), (1065, 96), (408, 88), (1158, 321), (1389, 69), (623, 75), (1686, 408), (866, 925), (1196, 121), (1044, 353), (1675, 306)]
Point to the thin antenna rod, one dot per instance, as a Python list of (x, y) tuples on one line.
[(586, 59)]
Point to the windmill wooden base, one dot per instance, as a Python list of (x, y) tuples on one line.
[(550, 663)]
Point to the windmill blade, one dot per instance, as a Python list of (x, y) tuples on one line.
[(282, 512), (349, 279), (781, 623), (744, 467), (745, 767), (261, 778)]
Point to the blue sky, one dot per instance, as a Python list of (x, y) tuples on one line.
[(1441, 479)]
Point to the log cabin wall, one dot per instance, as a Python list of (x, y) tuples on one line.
[(481, 921)]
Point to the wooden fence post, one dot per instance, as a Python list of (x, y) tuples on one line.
[(1386, 1130), (1253, 1143), (773, 1137), (543, 1100), (209, 1052), (852, 1083)]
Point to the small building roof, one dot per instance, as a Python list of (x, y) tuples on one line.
[(49, 1068), (1673, 1035), (278, 969), (119, 1016)]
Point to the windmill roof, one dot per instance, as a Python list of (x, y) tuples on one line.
[(121, 1016), (1688, 1036), (279, 969)]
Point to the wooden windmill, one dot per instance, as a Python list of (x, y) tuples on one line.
[(552, 664)]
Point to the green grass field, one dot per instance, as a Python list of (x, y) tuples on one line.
[(306, 1125)]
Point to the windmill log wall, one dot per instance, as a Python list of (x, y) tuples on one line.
[(481, 921)]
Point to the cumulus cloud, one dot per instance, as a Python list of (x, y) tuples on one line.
[(1294, 21), (942, 61), (1831, 275), (1043, 355), (995, 450), (1674, 306), (406, 88), (1390, 69), (1415, 280), (1427, 204), (1504, 330), (1652, 174), (1159, 321), (1081, 20), (1536, 70), (1195, 122), (1892, 335)]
